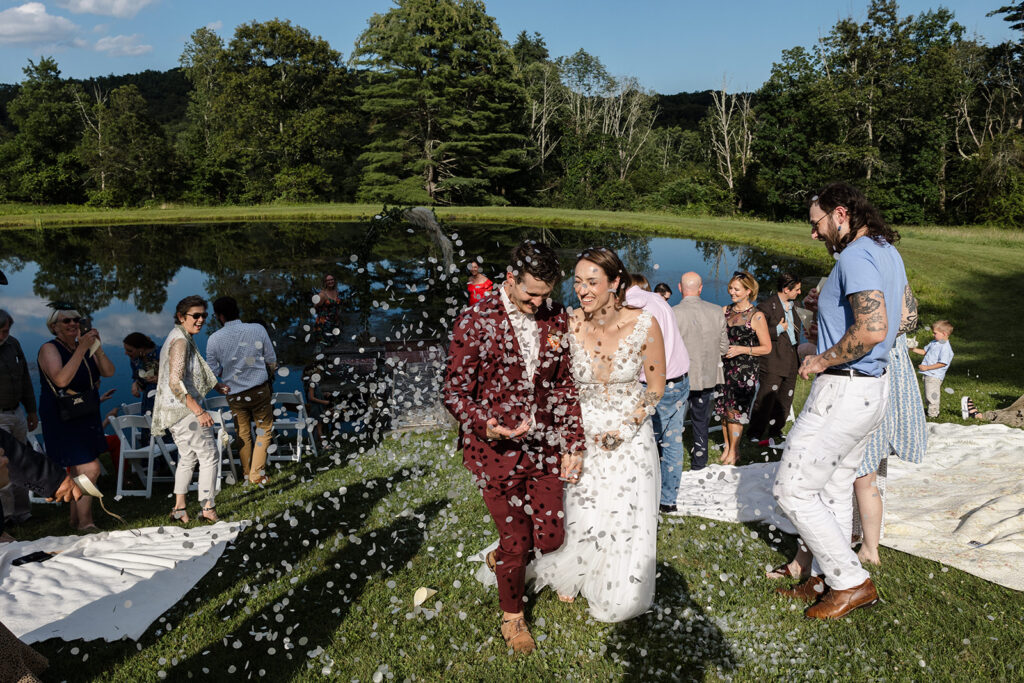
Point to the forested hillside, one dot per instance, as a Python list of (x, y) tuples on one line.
[(433, 105)]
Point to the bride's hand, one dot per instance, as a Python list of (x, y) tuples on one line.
[(609, 441), (572, 466)]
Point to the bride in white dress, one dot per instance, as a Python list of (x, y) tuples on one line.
[(611, 502)]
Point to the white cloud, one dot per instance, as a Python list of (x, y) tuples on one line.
[(29, 24), (215, 25), (114, 327), (101, 28), (123, 9), (123, 46)]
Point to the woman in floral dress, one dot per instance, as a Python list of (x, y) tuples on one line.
[(748, 339)]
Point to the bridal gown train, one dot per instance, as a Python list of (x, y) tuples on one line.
[(611, 515)]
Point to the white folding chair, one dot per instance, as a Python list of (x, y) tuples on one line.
[(223, 449), (131, 408), (35, 440), (128, 429), (284, 421)]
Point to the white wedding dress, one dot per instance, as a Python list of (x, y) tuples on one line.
[(611, 514)]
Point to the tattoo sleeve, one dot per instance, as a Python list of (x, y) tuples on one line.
[(908, 321), (869, 322)]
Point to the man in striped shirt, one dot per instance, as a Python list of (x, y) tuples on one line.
[(241, 355)]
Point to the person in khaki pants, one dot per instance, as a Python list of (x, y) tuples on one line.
[(243, 357)]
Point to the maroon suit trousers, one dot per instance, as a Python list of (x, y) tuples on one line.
[(527, 510)]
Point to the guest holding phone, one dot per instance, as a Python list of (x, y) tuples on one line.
[(70, 367)]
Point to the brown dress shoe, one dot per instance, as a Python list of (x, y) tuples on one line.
[(808, 590), (491, 561), (517, 635), (836, 604)]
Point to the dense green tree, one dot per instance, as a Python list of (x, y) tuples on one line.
[(39, 164), (444, 103), (127, 156)]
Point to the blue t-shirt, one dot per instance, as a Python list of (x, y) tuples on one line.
[(937, 352), (863, 266)]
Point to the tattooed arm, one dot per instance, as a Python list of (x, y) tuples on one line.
[(870, 326), (908, 321)]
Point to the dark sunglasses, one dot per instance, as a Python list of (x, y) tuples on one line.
[(71, 321), (197, 316)]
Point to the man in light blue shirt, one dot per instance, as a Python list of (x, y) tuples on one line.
[(243, 357), (860, 309)]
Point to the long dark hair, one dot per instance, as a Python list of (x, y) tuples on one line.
[(609, 262), (862, 213)]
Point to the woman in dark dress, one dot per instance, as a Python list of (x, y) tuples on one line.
[(69, 363), (748, 339)]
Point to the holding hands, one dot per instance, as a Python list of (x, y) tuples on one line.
[(496, 431)]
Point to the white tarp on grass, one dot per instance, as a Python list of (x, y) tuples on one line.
[(963, 506), (107, 585)]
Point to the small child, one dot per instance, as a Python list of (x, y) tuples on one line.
[(937, 356)]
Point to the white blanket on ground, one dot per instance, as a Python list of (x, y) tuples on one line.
[(106, 585), (963, 506)]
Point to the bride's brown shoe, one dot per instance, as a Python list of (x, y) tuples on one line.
[(517, 635)]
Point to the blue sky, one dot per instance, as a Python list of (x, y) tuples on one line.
[(670, 46)]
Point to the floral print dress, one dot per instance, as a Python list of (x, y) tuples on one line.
[(740, 371)]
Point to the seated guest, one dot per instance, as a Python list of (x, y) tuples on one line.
[(1012, 416), (183, 380), (664, 290), (144, 356)]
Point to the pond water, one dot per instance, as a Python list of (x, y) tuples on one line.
[(392, 283)]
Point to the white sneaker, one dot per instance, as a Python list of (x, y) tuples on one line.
[(964, 412)]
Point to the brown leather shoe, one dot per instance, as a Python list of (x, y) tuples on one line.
[(837, 604), (491, 561), (808, 590), (517, 635)]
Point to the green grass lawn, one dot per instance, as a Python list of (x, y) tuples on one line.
[(321, 585)]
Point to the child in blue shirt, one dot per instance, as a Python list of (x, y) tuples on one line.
[(937, 356)]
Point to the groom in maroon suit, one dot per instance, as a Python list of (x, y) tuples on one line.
[(509, 385)]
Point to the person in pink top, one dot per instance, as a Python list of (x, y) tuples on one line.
[(671, 410)]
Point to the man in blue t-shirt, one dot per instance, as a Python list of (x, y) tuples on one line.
[(860, 310)]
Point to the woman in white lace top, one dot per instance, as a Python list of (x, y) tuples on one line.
[(184, 379)]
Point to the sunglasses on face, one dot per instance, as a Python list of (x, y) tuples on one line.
[(70, 321), (197, 316)]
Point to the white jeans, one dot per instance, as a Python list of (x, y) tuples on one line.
[(814, 482), (195, 444)]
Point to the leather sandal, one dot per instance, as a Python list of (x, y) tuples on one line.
[(207, 518), (179, 515), (517, 635), (491, 561), (783, 572)]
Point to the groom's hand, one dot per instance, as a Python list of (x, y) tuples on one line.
[(496, 431)]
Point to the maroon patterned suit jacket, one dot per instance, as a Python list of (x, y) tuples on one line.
[(486, 377)]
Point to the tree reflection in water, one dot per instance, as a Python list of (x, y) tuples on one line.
[(395, 289)]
